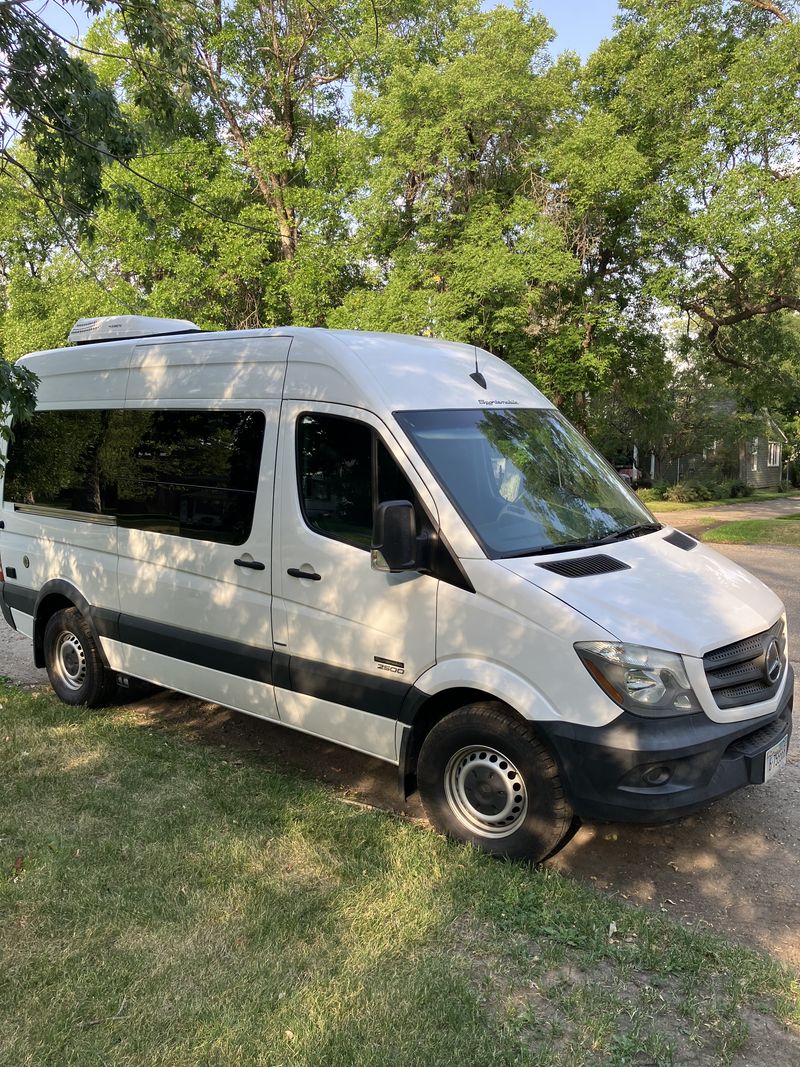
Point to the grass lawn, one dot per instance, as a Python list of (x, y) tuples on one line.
[(663, 506), (162, 902), (782, 531)]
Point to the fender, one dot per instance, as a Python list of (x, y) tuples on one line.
[(492, 678), (102, 623), (459, 677)]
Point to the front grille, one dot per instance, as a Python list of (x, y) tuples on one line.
[(737, 673)]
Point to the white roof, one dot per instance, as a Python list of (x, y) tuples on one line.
[(382, 372)]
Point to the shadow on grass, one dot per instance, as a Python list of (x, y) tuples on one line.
[(164, 903)]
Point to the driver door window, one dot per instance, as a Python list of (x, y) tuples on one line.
[(344, 471)]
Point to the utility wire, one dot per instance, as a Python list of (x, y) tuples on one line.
[(106, 154), (60, 127), (68, 238)]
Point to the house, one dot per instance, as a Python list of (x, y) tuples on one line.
[(757, 459), (761, 456)]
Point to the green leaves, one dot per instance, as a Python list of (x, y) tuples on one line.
[(428, 167), (17, 398), (70, 123)]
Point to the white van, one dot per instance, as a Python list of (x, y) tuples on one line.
[(394, 543)]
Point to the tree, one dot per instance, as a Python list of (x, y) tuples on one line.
[(268, 82), (706, 91), (58, 124), (17, 398)]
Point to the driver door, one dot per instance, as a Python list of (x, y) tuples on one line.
[(353, 639)]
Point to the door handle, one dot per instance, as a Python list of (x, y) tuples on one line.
[(312, 576), (252, 564)]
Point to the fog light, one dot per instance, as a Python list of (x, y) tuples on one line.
[(657, 775)]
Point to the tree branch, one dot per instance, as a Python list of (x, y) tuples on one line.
[(771, 8)]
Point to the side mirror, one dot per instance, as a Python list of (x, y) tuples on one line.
[(394, 537)]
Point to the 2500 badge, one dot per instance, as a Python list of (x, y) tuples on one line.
[(393, 666)]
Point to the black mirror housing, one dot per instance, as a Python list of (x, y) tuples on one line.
[(394, 537)]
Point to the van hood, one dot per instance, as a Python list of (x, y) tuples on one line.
[(668, 597)]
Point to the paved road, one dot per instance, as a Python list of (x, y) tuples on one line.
[(734, 868)]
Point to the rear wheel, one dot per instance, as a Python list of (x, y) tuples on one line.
[(72, 658), (486, 778)]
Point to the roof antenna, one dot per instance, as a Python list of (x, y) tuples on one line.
[(476, 375)]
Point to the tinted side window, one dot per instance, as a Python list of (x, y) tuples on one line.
[(335, 469), (190, 473), (392, 483), (61, 459), (186, 473), (345, 470)]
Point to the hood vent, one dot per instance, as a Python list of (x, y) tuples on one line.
[(584, 566), (681, 540)]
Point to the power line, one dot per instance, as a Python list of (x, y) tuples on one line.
[(67, 237), (107, 154), (61, 128)]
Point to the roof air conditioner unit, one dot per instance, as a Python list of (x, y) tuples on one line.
[(126, 327)]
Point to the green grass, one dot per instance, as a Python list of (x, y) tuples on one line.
[(781, 531), (163, 903), (659, 506)]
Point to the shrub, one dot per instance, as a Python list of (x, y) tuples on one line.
[(655, 492), (689, 492), (738, 488)]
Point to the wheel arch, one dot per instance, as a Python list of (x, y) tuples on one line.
[(454, 683), (57, 595), (429, 711)]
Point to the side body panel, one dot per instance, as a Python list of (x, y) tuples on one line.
[(191, 618), (516, 644)]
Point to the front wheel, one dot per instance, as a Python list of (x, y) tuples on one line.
[(73, 661), (486, 778)]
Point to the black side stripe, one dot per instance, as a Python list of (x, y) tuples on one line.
[(16, 596), (385, 696), (339, 685), (5, 607), (217, 653), (354, 689)]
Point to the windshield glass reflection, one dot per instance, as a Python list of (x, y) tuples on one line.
[(525, 480)]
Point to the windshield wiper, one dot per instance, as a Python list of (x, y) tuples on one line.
[(577, 542), (564, 546), (629, 531)]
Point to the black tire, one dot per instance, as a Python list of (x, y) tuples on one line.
[(486, 778), (74, 665)]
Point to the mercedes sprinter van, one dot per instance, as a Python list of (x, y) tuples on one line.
[(394, 543)]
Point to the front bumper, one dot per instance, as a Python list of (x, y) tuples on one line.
[(603, 768)]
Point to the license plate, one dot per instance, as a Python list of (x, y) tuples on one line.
[(775, 758)]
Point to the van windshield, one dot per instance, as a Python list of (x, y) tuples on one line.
[(525, 480)]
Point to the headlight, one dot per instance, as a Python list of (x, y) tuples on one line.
[(643, 680)]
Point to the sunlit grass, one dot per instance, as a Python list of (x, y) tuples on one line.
[(162, 906), (781, 531)]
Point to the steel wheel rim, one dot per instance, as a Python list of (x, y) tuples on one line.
[(485, 791), (70, 660)]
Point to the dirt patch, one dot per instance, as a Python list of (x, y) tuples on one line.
[(557, 1006), (16, 658)]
